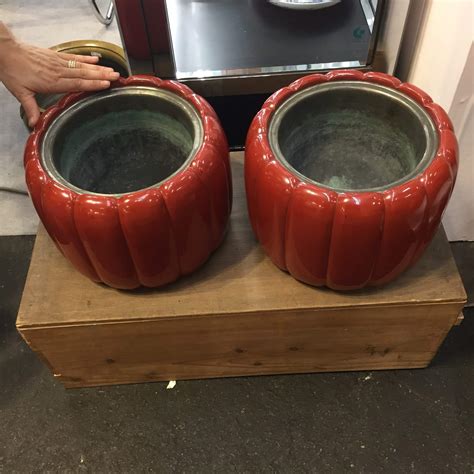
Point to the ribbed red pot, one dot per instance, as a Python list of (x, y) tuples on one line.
[(149, 236), (332, 233)]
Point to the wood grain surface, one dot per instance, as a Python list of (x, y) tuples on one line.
[(246, 344)]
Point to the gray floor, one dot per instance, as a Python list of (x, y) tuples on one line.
[(392, 421)]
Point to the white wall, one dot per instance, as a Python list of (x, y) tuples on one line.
[(392, 31), (442, 65), (459, 218)]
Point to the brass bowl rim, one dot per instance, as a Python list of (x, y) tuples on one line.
[(388, 93), (64, 47), (46, 154)]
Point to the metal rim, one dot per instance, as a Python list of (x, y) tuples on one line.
[(86, 47), (416, 109), (304, 4), (109, 14), (47, 159)]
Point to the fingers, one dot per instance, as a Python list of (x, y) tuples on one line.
[(79, 58), (86, 71), (31, 109), (78, 85), (88, 66), (85, 78)]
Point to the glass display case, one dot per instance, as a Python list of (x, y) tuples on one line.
[(237, 52)]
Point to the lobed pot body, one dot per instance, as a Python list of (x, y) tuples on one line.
[(346, 239), (148, 237)]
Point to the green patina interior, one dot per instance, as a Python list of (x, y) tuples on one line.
[(352, 139), (122, 143)]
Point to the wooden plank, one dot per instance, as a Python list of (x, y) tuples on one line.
[(245, 344), (237, 279)]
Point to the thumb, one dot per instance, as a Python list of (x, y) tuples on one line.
[(32, 110)]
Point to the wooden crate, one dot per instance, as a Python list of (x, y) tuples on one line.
[(238, 315)]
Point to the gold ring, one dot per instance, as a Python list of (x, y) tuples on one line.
[(71, 64)]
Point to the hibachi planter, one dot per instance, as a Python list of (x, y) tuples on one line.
[(133, 184), (347, 176)]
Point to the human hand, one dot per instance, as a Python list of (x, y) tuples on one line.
[(26, 70)]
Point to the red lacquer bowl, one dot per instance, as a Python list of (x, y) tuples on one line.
[(133, 184), (347, 176)]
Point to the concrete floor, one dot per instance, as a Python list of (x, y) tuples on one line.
[(394, 421)]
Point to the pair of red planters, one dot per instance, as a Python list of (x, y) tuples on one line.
[(347, 176)]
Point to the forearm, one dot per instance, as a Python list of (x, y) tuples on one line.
[(6, 36), (7, 43)]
